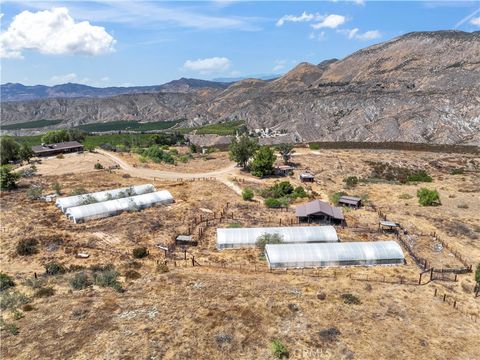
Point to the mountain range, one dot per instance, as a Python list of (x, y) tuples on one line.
[(419, 87)]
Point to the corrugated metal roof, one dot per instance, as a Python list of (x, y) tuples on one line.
[(246, 237), (388, 223), (317, 206), (58, 146), (349, 200), (333, 254)]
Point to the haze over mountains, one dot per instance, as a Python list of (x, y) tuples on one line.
[(419, 87)]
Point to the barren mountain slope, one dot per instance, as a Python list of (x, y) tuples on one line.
[(420, 87)]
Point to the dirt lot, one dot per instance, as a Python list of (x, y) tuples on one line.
[(229, 305)]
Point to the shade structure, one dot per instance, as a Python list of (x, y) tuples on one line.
[(114, 207), (333, 254), (247, 237), (67, 202)]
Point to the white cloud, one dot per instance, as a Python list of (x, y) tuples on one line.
[(475, 21), (331, 21), (53, 32), (279, 65), (62, 79), (320, 36), (302, 18), (208, 65), (356, 34)]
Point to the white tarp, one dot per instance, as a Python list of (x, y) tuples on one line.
[(335, 254), (113, 207), (247, 237), (67, 202)]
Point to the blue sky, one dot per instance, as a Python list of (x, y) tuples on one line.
[(123, 43)]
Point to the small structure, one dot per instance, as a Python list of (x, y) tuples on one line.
[(58, 148), (387, 225), (307, 177), (320, 212), (333, 254), (283, 170), (185, 240), (247, 237), (350, 201)]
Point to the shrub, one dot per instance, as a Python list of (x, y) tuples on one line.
[(477, 274), (183, 159), (27, 307), (27, 247), (57, 188), (419, 176), (247, 194), (279, 350), (12, 300), (329, 334), (8, 178), (80, 281), (299, 192), (351, 299), (266, 238), (314, 146), (428, 197), (107, 278), (132, 275), (53, 268), (234, 225), (34, 192), (35, 283), (17, 314), (140, 252), (457, 171), (273, 203), (9, 327), (78, 191), (335, 197), (162, 267), (6, 282), (351, 181), (98, 166), (44, 292)]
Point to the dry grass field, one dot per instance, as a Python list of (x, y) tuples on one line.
[(229, 306)]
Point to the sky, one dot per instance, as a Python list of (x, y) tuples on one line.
[(133, 43)]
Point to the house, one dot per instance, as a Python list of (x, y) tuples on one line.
[(350, 201), (283, 170), (320, 212), (307, 177), (58, 148)]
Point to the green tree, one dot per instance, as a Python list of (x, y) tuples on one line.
[(286, 151), (263, 161), (9, 149), (76, 135), (242, 150), (56, 136), (8, 178), (428, 197), (267, 238), (351, 181), (25, 153), (477, 274)]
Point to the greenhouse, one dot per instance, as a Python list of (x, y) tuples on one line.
[(85, 199), (247, 237), (114, 207), (337, 254)]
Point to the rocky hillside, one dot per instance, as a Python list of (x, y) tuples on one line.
[(420, 87), (19, 92)]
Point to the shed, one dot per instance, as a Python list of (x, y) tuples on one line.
[(321, 212), (333, 254), (283, 170), (247, 237), (57, 148), (307, 177), (185, 240), (388, 225), (350, 201), (115, 207)]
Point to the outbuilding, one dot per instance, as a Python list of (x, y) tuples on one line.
[(58, 148), (307, 177), (319, 212), (350, 201)]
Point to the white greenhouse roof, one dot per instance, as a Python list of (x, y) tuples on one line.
[(67, 202), (335, 254), (113, 207), (246, 237)]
